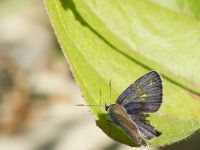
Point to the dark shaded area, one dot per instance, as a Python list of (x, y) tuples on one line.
[(70, 5), (104, 123), (192, 143)]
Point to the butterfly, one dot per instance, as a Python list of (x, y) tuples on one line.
[(132, 107)]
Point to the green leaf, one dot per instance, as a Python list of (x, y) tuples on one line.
[(191, 8), (120, 41)]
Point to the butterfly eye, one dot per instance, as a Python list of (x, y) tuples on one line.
[(107, 106)]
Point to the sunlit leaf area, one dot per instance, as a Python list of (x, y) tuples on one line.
[(58, 55)]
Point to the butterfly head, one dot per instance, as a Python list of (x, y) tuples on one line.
[(107, 106)]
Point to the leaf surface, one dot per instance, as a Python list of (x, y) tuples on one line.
[(110, 40)]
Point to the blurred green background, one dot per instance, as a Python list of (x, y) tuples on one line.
[(37, 90)]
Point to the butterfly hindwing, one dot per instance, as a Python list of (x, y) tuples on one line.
[(146, 130), (144, 95)]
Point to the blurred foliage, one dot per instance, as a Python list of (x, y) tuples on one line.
[(111, 40)]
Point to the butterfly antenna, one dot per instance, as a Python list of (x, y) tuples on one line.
[(110, 89), (100, 101), (100, 96), (80, 105), (88, 105)]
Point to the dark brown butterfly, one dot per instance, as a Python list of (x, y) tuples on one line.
[(131, 108)]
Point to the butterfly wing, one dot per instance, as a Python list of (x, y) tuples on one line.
[(144, 95), (146, 130)]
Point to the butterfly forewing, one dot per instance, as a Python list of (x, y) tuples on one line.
[(144, 95)]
